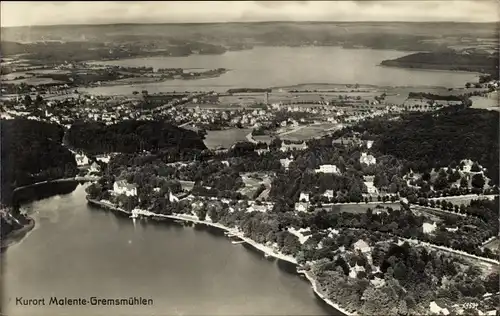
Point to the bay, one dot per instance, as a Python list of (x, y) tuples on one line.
[(77, 251)]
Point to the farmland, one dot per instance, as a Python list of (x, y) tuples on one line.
[(225, 138)]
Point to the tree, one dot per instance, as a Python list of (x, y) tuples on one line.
[(464, 183), (478, 181), (475, 167), (27, 100), (491, 283)]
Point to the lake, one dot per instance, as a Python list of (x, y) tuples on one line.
[(77, 251), (264, 67)]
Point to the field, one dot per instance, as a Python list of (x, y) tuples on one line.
[(359, 208), (225, 138), (211, 106), (252, 182), (36, 81), (493, 245), (465, 199), (308, 132), (492, 102)]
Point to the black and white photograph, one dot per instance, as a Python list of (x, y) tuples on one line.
[(240, 158)]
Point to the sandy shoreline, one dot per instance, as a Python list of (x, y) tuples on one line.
[(236, 233)]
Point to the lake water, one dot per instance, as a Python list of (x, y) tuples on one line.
[(264, 67), (76, 251)]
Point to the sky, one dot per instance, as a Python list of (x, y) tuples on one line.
[(24, 13)]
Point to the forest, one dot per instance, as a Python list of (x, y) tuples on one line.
[(439, 139), (131, 136), (32, 151), (449, 60)]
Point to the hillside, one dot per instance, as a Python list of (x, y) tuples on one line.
[(32, 152), (438, 139), (90, 42), (484, 63), (131, 136)]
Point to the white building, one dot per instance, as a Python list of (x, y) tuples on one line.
[(81, 160), (94, 167), (123, 187), (370, 188), (467, 165), (172, 198), (304, 196), (369, 144), (329, 194), (428, 228), (436, 309), (367, 159), (301, 207), (292, 146), (104, 159), (328, 169), (362, 246), (286, 162)]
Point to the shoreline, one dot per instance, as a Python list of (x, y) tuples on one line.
[(236, 233), (84, 179), (17, 235)]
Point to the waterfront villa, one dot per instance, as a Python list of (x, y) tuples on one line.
[(123, 187)]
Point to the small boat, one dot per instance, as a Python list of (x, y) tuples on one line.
[(237, 242)]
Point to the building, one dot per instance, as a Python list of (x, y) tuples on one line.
[(362, 246), (293, 146), (172, 198), (123, 187), (304, 197), (370, 187), (367, 159), (301, 207), (94, 167), (286, 162), (103, 158), (428, 228), (81, 160), (329, 194), (328, 169)]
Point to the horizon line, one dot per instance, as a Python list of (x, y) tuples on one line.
[(249, 22)]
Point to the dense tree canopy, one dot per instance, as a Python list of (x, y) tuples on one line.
[(437, 139), (32, 152), (131, 136)]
